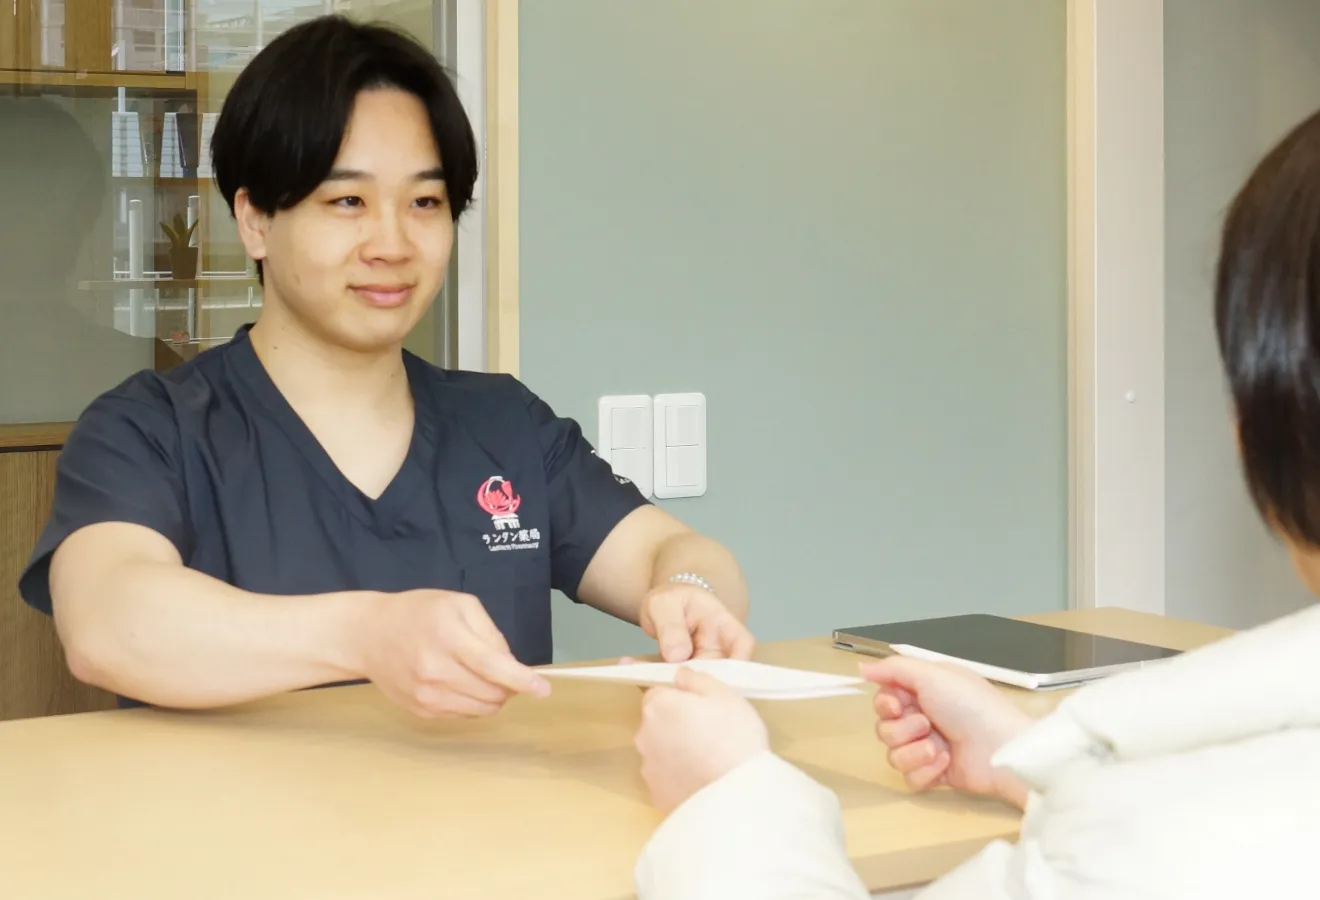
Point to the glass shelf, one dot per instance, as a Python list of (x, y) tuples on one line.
[(137, 85)]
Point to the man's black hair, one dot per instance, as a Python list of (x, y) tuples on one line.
[(1267, 315), (284, 120)]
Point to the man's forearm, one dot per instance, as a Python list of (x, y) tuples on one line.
[(696, 554), (169, 636)]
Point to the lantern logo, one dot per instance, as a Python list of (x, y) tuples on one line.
[(496, 496)]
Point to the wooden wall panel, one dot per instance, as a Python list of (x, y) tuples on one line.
[(34, 680)]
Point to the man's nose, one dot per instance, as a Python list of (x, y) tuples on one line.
[(388, 239)]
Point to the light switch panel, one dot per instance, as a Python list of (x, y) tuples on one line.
[(680, 445), (625, 438)]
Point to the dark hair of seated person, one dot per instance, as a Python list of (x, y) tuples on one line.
[(1267, 316)]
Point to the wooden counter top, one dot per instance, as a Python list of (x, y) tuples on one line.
[(35, 436), (333, 794)]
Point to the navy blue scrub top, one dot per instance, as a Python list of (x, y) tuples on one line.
[(497, 497)]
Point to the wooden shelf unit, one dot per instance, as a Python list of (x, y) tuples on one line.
[(204, 281), (64, 81)]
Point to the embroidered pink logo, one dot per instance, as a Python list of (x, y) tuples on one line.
[(497, 497)]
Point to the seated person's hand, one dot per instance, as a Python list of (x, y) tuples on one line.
[(438, 654), (692, 734), (689, 622), (942, 725)]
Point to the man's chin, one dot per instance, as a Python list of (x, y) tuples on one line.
[(377, 330)]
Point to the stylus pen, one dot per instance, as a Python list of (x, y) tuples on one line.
[(994, 673)]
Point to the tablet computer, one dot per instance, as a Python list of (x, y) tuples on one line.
[(1024, 654)]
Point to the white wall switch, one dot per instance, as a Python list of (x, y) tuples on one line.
[(680, 445), (624, 438)]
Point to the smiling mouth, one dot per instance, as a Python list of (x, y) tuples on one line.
[(384, 295)]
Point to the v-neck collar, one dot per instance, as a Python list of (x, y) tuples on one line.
[(382, 512)]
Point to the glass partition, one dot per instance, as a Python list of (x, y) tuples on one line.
[(117, 253)]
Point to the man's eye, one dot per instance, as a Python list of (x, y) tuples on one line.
[(430, 202), (349, 202)]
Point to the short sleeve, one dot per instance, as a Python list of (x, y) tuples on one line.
[(119, 464), (586, 498)]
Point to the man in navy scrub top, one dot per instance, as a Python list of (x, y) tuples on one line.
[(308, 504)]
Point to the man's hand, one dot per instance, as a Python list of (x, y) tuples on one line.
[(689, 622), (693, 734), (439, 655)]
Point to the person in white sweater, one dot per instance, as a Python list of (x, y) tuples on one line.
[(1199, 778)]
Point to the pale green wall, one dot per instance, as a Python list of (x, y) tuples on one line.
[(844, 221), (1238, 75)]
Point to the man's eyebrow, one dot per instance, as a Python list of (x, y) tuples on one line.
[(435, 174)]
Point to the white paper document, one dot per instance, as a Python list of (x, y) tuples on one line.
[(755, 681)]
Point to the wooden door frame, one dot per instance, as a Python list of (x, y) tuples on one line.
[(1116, 264), (501, 186)]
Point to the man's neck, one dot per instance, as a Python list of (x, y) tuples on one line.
[(314, 375)]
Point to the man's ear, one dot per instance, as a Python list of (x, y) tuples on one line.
[(252, 225)]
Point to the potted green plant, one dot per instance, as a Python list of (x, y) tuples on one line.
[(183, 256)]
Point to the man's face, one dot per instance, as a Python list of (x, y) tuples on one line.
[(359, 261)]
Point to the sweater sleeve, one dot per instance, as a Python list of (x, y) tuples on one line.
[(765, 831)]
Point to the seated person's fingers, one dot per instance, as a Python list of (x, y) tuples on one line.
[(893, 702), (887, 706), (897, 676), (929, 775), (904, 730), (914, 756)]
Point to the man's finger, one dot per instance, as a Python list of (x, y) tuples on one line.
[(438, 702), (454, 677), (671, 632), (498, 666), (738, 641), (709, 640), (721, 636)]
